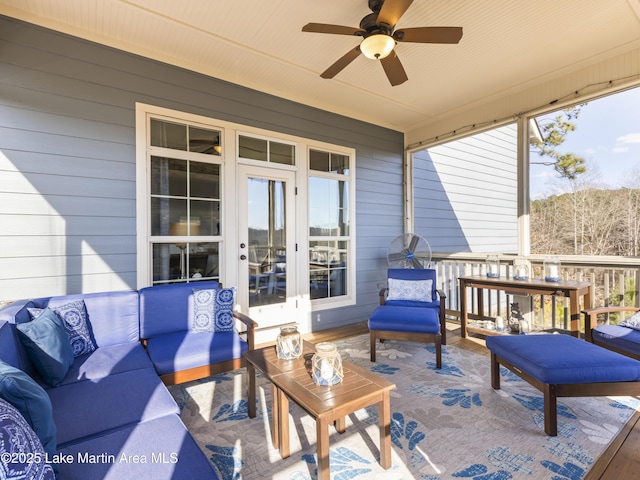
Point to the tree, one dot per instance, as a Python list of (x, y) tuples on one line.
[(554, 133)]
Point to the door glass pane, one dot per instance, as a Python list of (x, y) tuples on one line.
[(281, 153), (253, 148), (267, 242)]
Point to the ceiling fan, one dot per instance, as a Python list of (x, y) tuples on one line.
[(379, 38)]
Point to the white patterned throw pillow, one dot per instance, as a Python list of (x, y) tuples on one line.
[(213, 310), (413, 290), (76, 324), (632, 322)]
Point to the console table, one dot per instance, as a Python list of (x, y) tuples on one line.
[(572, 290)]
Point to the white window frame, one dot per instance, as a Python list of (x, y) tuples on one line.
[(229, 159)]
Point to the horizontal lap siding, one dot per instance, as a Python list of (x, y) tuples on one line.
[(67, 161), (465, 194)]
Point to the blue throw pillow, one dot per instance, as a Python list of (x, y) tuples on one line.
[(213, 310), (632, 322), (21, 452), (33, 403), (76, 323), (47, 346)]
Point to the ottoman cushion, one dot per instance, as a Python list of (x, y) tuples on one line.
[(563, 359)]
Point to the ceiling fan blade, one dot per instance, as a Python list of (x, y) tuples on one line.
[(392, 10), (342, 62), (429, 35), (394, 69), (335, 29)]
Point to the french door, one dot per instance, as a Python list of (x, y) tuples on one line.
[(267, 250)]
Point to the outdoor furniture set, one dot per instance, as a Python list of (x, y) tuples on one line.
[(76, 368)]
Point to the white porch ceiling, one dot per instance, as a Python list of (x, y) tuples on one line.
[(507, 46)]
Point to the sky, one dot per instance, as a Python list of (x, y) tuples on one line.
[(607, 135)]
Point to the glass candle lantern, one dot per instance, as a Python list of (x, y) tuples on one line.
[(289, 343), (326, 365), (493, 266), (552, 269), (521, 269)]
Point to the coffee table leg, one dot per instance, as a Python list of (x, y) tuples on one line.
[(283, 424), (384, 414), (322, 447), (341, 425), (275, 419), (251, 389)]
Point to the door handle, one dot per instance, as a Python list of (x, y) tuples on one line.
[(243, 257)]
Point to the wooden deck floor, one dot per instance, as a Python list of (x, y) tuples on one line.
[(620, 460)]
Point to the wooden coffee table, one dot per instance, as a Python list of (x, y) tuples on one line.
[(291, 379)]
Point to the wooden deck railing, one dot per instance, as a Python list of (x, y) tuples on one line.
[(614, 280)]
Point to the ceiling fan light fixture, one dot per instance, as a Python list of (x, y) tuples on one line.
[(377, 46)]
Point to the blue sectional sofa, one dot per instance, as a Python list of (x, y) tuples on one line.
[(623, 338), (110, 415)]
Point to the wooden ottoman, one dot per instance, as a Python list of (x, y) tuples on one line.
[(563, 366)]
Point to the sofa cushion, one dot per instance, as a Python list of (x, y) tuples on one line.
[(178, 351), (106, 361), (563, 359), (47, 345), (87, 408), (30, 399), (618, 337), (166, 308), (163, 445), (405, 319), (113, 315), (21, 453), (213, 310)]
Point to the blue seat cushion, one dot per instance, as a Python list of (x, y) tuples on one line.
[(615, 336), (165, 444), (173, 352), (405, 319), (84, 409), (106, 361), (563, 359)]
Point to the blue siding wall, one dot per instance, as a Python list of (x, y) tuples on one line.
[(465, 193), (67, 162)]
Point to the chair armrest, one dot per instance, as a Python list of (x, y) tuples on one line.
[(441, 294), (251, 326), (592, 313), (383, 295)]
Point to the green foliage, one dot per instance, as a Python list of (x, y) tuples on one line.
[(554, 133)]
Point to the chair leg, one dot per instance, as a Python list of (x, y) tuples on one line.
[(438, 351), (372, 346)]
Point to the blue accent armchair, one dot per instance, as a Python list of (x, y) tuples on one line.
[(411, 309)]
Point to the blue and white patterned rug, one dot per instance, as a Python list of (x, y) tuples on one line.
[(446, 424)]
